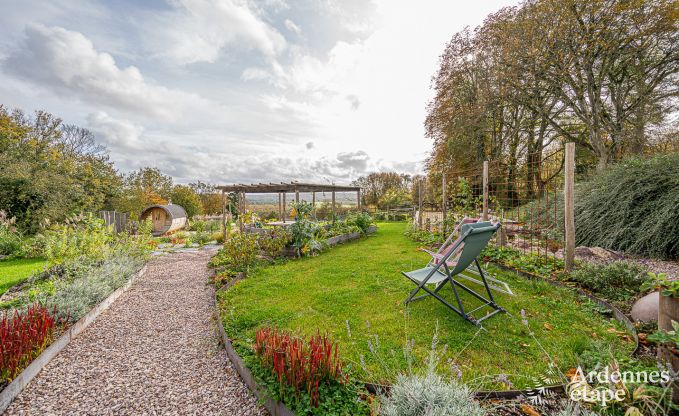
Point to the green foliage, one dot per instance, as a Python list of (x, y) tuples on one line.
[(301, 210), (143, 187), (362, 220), (49, 170), (416, 395), (667, 337), (85, 238), (333, 398), (306, 234), (358, 282), (82, 236), (632, 207), (307, 237), (394, 197), (422, 236), (616, 281), (86, 286), (525, 262), (273, 241), (239, 253), (661, 283), (187, 198), (11, 243)]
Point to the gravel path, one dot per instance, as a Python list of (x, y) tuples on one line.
[(155, 351)]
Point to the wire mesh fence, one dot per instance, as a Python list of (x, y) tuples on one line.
[(524, 193)]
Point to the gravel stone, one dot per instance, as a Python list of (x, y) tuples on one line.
[(155, 351)]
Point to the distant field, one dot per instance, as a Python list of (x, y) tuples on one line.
[(13, 272)]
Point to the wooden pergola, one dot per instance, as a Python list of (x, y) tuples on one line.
[(282, 189)]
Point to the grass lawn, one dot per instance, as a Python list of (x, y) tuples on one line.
[(358, 285), (15, 271)]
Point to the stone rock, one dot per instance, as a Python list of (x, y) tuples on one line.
[(646, 308)]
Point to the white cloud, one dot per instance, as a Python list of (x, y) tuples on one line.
[(114, 133), (67, 63), (197, 30), (291, 26)]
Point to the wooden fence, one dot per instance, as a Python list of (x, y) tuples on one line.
[(116, 219)]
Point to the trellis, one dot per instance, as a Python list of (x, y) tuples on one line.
[(282, 189)]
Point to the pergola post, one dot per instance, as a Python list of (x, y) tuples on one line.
[(241, 210), (333, 206), (285, 212), (297, 196), (280, 210), (313, 203), (358, 198), (224, 214)]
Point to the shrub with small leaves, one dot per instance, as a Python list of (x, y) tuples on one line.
[(273, 241), (415, 395), (238, 254), (616, 281)]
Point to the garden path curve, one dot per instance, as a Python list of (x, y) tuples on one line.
[(155, 351)]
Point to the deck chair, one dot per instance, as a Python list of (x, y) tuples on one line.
[(463, 253), (450, 244)]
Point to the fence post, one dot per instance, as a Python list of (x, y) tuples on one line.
[(443, 204), (419, 194), (485, 190), (224, 215), (569, 208)]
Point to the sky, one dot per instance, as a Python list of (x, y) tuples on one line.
[(236, 91)]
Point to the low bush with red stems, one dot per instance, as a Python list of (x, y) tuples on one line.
[(311, 371), (23, 336)]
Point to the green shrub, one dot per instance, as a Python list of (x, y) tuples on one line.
[(273, 241), (361, 219), (82, 236), (616, 281), (86, 286), (11, 243), (526, 262), (632, 207), (429, 395), (239, 253)]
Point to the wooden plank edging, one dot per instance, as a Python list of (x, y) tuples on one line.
[(17, 385)]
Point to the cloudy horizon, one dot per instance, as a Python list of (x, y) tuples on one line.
[(233, 91)]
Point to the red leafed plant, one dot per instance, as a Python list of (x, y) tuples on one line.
[(299, 364), (23, 336)]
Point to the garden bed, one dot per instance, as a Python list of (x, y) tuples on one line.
[(333, 241), (355, 293), (12, 390)]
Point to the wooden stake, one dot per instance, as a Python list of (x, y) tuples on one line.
[(333, 206), (443, 203), (419, 195), (485, 190), (569, 206), (224, 215)]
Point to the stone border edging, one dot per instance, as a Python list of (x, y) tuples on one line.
[(17, 385), (275, 408)]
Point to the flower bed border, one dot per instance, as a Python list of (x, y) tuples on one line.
[(333, 241), (13, 389)]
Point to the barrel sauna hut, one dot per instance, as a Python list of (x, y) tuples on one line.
[(165, 218)]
